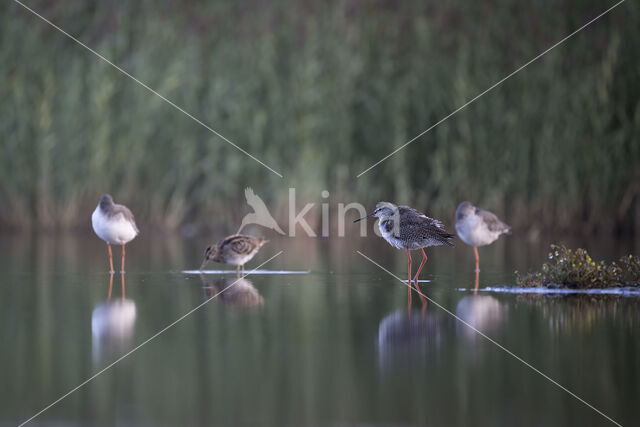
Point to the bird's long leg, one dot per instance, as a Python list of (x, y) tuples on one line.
[(475, 289), (110, 259), (122, 263), (409, 266), (424, 260), (122, 277), (409, 293), (475, 250), (415, 279), (110, 286)]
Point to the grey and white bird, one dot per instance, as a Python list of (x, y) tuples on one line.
[(478, 227), (406, 228), (114, 224)]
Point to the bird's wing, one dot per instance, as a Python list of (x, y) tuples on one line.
[(125, 212), (240, 243), (492, 222), (417, 216), (414, 223)]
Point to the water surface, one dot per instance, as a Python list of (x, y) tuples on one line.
[(333, 347)]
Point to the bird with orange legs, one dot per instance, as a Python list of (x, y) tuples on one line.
[(478, 227), (115, 225), (406, 228)]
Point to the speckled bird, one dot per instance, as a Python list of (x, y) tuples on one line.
[(237, 249), (404, 227), (477, 227)]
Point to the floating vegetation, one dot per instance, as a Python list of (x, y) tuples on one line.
[(569, 268)]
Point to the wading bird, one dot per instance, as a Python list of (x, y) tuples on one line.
[(406, 228), (114, 224), (477, 227), (237, 249)]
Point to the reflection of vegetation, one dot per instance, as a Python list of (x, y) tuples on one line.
[(319, 90), (583, 312), (576, 269)]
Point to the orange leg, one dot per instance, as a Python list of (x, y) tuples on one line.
[(424, 260), (409, 255), (475, 250), (122, 276), (122, 263), (409, 282), (475, 289), (110, 286), (415, 279), (110, 259)]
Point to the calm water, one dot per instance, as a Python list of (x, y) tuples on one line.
[(335, 347)]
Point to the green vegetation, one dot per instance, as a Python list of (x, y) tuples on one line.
[(576, 269), (320, 91)]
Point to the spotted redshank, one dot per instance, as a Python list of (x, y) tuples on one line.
[(114, 224), (477, 227), (237, 249), (406, 228)]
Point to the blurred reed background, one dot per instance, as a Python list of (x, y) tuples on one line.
[(320, 91)]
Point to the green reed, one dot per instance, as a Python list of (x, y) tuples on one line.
[(320, 91)]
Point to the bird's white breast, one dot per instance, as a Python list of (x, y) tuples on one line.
[(390, 237), (116, 230)]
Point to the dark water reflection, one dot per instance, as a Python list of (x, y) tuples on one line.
[(405, 337), (337, 346)]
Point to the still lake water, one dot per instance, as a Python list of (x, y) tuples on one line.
[(335, 347)]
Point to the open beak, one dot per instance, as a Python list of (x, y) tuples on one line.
[(203, 264), (364, 217)]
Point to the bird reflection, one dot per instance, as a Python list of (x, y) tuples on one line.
[(485, 313), (112, 324), (409, 335), (233, 292)]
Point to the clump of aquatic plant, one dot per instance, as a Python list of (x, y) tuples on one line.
[(575, 269)]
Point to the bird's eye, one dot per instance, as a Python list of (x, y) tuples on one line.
[(206, 251)]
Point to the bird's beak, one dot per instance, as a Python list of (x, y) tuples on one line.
[(203, 264), (364, 217)]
